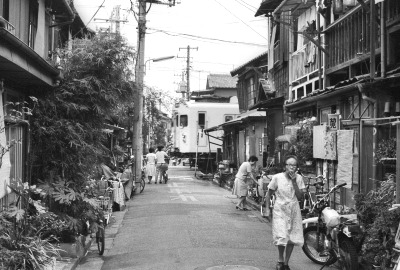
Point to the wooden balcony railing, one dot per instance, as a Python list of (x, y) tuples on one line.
[(348, 38), (8, 26), (276, 52)]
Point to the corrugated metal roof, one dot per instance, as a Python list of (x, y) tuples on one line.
[(221, 81)]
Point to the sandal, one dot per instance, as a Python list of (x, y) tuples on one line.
[(245, 209), (286, 267), (280, 266), (239, 208)]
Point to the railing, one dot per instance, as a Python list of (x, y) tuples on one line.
[(8, 26), (276, 52), (349, 37)]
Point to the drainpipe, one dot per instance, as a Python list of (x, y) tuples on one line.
[(383, 40), (362, 88)]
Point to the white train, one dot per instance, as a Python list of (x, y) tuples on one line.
[(191, 118)]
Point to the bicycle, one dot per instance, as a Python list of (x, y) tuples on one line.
[(309, 200), (105, 204)]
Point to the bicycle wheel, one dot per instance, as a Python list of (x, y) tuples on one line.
[(142, 185), (100, 239)]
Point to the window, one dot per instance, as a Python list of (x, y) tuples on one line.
[(5, 9), (324, 115), (202, 120), (251, 93), (33, 22), (184, 120), (228, 118)]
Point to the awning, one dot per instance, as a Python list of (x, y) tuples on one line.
[(269, 103), (247, 116), (267, 6)]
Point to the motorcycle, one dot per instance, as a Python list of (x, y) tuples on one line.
[(328, 236)]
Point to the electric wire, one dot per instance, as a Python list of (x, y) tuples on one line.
[(90, 19), (247, 4), (206, 38), (244, 5), (241, 20)]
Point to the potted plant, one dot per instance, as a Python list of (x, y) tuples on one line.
[(303, 147), (386, 150)]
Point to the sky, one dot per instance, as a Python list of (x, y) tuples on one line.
[(224, 35)]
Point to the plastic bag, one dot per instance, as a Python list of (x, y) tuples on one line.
[(330, 217)]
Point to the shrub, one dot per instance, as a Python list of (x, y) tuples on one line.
[(379, 223)]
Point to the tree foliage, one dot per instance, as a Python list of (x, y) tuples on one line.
[(67, 124)]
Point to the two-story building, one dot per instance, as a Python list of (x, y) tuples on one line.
[(343, 72), (30, 33)]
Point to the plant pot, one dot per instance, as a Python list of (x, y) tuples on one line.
[(75, 250)]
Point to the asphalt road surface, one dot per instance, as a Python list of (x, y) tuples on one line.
[(189, 224)]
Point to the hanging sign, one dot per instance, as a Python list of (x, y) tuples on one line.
[(333, 122)]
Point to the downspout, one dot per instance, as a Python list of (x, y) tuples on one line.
[(362, 88), (383, 40)]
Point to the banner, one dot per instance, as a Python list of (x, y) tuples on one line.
[(345, 157)]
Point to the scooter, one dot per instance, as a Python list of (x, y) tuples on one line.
[(328, 237)]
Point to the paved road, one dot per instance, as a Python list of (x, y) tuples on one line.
[(189, 224)]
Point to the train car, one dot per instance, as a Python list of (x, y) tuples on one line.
[(192, 117)]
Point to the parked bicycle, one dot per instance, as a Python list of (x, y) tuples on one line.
[(311, 196), (329, 238), (105, 203)]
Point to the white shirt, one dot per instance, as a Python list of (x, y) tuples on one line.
[(160, 155)]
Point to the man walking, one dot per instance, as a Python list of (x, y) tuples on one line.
[(161, 166)]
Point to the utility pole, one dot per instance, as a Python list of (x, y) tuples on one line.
[(114, 19), (188, 69), (137, 138)]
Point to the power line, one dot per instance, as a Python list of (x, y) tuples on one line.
[(240, 20), (247, 4), (207, 38), (241, 3)]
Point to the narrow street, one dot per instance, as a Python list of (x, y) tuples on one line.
[(189, 224)]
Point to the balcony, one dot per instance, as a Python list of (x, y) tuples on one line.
[(276, 52), (304, 61), (6, 25), (348, 39)]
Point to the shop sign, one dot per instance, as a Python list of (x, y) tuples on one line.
[(333, 122)]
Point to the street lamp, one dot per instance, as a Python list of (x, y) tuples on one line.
[(158, 60)]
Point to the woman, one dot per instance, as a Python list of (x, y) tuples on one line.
[(241, 185), (287, 229), (151, 164)]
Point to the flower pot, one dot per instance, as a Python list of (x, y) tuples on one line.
[(75, 250)]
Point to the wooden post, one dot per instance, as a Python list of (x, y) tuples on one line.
[(397, 164)]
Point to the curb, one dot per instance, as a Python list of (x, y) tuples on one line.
[(249, 200), (111, 229)]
